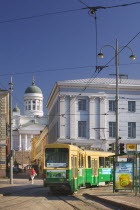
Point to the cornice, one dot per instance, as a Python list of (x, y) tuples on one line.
[(74, 85)]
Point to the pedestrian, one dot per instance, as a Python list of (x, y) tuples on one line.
[(25, 169), (32, 175)]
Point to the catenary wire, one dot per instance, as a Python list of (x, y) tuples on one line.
[(96, 73), (122, 49), (91, 79), (47, 70), (61, 12), (63, 69), (38, 16)]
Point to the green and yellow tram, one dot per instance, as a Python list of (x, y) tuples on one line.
[(67, 167)]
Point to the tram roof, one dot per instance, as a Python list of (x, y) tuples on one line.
[(58, 145)]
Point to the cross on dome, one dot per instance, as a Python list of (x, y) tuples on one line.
[(33, 81)]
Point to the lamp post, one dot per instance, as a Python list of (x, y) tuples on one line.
[(11, 137), (133, 57)]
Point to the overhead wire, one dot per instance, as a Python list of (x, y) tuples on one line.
[(96, 73), (65, 11), (123, 47), (63, 69), (12, 94), (38, 16), (124, 5), (91, 79), (47, 70), (35, 16)]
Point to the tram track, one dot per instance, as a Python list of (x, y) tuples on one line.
[(80, 202), (91, 204), (76, 208), (40, 197)]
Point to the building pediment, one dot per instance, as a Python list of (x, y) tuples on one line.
[(31, 126)]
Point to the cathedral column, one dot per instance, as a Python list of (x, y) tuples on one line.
[(30, 142), (91, 117), (62, 117), (72, 117), (25, 141), (19, 141), (102, 118)]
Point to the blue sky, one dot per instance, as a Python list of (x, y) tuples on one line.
[(58, 44)]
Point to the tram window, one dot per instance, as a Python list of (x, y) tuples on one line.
[(107, 162), (80, 161), (72, 162), (83, 161), (89, 162), (96, 167), (101, 162), (75, 166), (93, 167), (56, 157), (111, 162)]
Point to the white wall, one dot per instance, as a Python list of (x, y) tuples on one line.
[(97, 116)]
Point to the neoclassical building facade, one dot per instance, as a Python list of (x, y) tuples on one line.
[(84, 114), (26, 126)]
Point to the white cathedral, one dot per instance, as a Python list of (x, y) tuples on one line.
[(32, 122)]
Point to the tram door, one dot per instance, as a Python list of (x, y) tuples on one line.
[(94, 165), (74, 170), (74, 166)]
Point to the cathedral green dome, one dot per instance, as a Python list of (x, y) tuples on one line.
[(16, 109), (33, 89)]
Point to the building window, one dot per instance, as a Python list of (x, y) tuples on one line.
[(131, 106), (33, 105), (57, 130), (112, 106), (112, 129), (57, 105), (82, 104), (81, 128), (131, 130), (29, 105), (37, 105)]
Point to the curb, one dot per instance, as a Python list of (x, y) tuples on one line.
[(121, 205)]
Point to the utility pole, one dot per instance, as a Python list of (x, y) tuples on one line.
[(133, 57), (22, 155), (117, 99), (11, 137)]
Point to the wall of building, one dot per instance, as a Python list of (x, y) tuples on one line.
[(54, 121), (22, 158), (38, 145), (4, 122), (97, 115)]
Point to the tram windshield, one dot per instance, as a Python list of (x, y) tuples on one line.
[(56, 157)]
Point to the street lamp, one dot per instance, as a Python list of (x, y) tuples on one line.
[(11, 137), (133, 57)]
